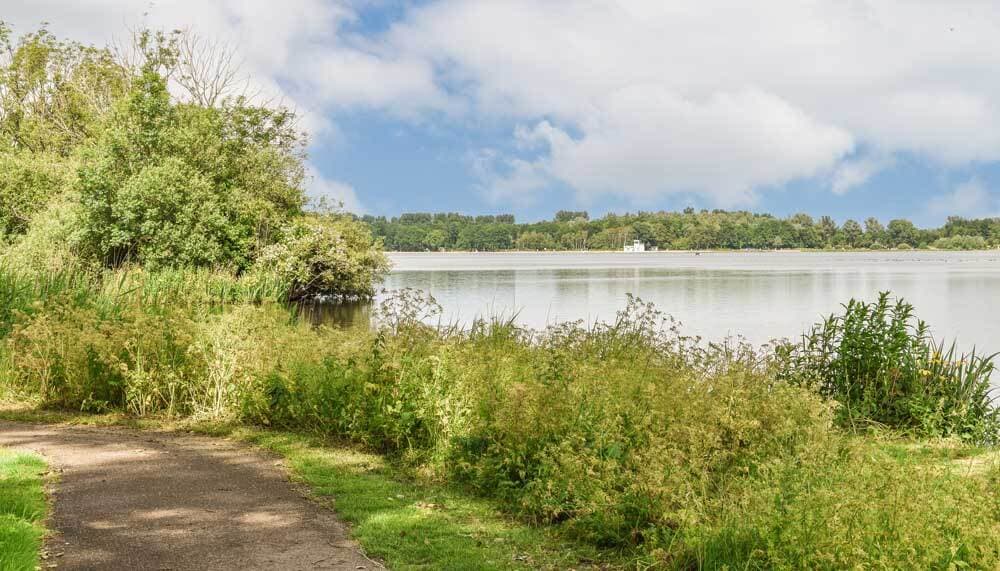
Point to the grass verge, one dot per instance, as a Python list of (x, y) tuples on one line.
[(406, 523), (22, 510)]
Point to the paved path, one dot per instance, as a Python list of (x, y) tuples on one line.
[(144, 500)]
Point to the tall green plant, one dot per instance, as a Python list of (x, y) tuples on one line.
[(882, 365)]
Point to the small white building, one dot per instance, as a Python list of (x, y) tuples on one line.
[(637, 246)]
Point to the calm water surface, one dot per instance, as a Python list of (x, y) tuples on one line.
[(760, 296)]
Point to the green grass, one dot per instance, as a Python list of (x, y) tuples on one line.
[(406, 523), (413, 525), (22, 510)]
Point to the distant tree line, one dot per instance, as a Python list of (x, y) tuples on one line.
[(686, 230)]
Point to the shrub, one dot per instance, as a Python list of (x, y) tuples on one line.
[(27, 183), (325, 256), (50, 244), (87, 357), (882, 366), (961, 242), (627, 435), (168, 215)]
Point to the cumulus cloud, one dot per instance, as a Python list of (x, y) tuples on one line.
[(638, 98), (969, 199), (853, 173), (722, 98), (507, 179), (647, 141)]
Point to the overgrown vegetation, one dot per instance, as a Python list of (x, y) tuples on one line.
[(22, 509), (687, 230), (113, 158), (961, 242), (880, 363), (626, 436)]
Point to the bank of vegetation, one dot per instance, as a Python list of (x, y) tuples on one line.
[(865, 444), (150, 271), (687, 230)]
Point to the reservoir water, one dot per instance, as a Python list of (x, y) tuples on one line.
[(759, 296)]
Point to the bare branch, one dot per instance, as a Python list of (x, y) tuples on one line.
[(209, 70)]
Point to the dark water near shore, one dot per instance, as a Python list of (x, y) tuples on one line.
[(759, 296)]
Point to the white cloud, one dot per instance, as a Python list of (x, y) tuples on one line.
[(637, 98), (646, 141), (333, 192), (969, 199), (720, 97), (504, 179), (853, 173)]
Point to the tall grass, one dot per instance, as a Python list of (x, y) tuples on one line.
[(882, 365), (625, 434), (197, 287)]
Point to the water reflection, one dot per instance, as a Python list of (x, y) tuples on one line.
[(349, 314), (758, 296)]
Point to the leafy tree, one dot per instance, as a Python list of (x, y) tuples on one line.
[(436, 239), (574, 240), (903, 232), (852, 232), (875, 232), (172, 184), (827, 229), (98, 159), (535, 241), (571, 215), (54, 94), (486, 237), (961, 242)]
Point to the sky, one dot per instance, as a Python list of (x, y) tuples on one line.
[(850, 108)]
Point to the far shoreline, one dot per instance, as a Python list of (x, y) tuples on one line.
[(705, 251)]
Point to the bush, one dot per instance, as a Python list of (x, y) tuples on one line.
[(27, 183), (102, 168), (627, 435), (325, 256), (86, 356), (961, 242), (169, 215), (882, 366), (50, 244)]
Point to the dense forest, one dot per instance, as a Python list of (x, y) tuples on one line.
[(687, 230)]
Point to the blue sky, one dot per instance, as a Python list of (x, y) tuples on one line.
[(852, 109)]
